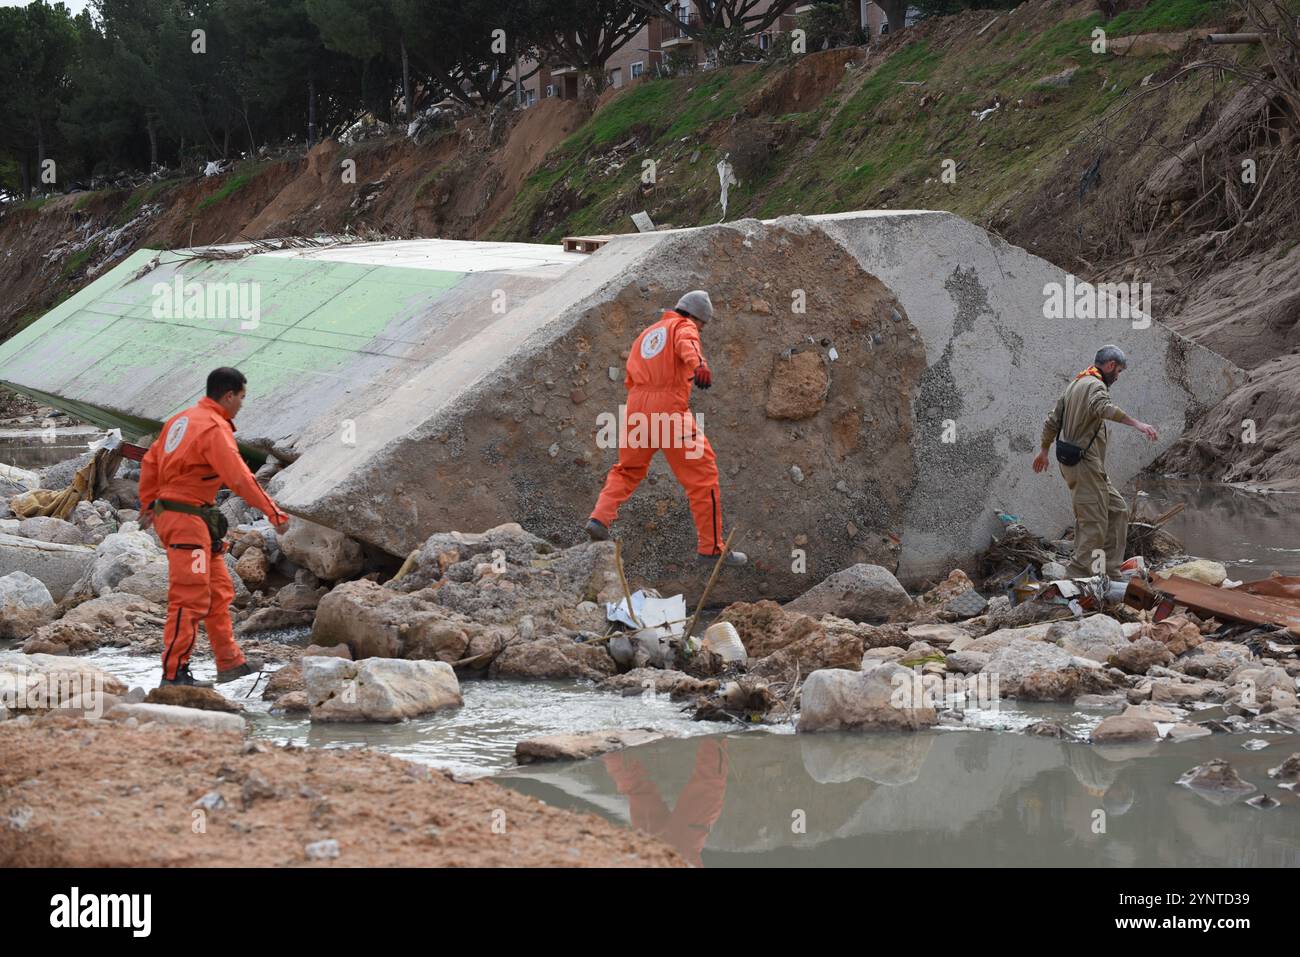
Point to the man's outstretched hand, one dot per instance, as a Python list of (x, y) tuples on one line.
[(1040, 461), (703, 377), (145, 519)]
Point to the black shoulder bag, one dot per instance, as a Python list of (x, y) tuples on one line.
[(1067, 453)]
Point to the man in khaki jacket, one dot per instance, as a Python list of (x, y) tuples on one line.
[(1100, 511)]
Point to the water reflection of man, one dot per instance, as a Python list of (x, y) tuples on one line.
[(686, 827)]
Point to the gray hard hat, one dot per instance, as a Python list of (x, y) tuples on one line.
[(697, 303)]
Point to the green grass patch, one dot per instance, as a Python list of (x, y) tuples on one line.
[(77, 261), (232, 185), (1165, 16)]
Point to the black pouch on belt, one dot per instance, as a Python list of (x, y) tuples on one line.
[(212, 517), (1067, 453)]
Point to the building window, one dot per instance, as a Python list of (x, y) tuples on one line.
[(550, 89), (637, 69), (764, 41), (530, 97), (616, 76)]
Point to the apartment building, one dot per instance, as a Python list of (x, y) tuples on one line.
[(646, 53)]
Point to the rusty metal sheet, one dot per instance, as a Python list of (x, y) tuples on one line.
[(1234, 603), (1279, 587)]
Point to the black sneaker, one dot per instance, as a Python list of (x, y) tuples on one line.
[(250, 666), (596, 531), (184, 677)]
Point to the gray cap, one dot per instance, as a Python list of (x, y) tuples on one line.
[(1106, 353), (697, 303)]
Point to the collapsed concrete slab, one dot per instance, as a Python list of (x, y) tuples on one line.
[(880, 383)]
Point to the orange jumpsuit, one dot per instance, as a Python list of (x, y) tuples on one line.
[(193, 456), (660, 371)]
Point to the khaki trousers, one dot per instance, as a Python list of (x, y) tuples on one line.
[(1100, 521)]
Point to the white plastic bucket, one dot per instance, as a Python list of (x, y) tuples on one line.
[(722, 639)]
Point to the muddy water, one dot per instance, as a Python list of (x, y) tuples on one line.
[(34, 448), (476, 740), (727, 796), (1252, 533), (944, 798)]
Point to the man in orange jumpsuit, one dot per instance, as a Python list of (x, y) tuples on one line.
[(192, 458), (664, 361)]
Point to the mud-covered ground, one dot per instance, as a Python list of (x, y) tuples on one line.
[(80, 794)]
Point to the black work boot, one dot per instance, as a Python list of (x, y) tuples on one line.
[(596, 531), (734, 559), (184, 677), (250, 666)]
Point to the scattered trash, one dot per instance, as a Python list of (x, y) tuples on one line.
[(723, 639), (650, 611)]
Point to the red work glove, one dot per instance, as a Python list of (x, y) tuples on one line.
[(703, 377)]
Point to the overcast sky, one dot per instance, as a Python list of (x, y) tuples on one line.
[(74, 6)]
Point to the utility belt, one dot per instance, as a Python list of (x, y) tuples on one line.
[(212, 516)]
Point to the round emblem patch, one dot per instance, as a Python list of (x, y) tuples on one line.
[(653, 344), (176, 433)]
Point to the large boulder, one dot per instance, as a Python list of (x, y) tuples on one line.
[(38, 682), (1096, 637), (577, 747), (58, 567), (378, 689), (179, 716), (778, 639), (883, 698), (328, 554), (1021, 657), (148, 582), (117, 557), (553, 657), (376, 622), (25, 605), (1123, 729), (117, 610), (1140, 656), (95, 520), (1215, 659), (860, 592), (46, 528), (505, 574)]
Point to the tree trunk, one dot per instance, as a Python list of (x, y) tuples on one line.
[(895, 12), (311, 112), (26, 166), (406, 85), (153, 143), (252, 143), (40, 150)]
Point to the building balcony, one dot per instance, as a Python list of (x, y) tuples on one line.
[(675, 36)]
